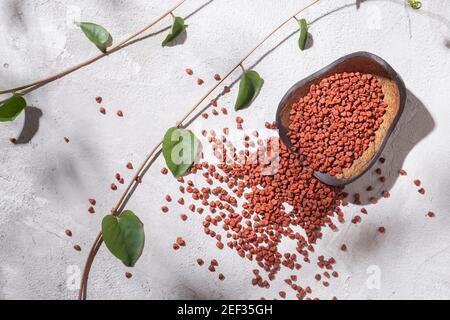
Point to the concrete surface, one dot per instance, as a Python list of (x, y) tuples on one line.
[(45, 183)]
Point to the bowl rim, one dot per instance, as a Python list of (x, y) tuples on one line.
[(325, 177)]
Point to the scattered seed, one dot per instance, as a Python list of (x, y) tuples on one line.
[(282, 294), (164, 170), (200, 262), (102, 110), (66, 140), (91, 210), (180, 241), (385, 194), (183, 217), (200, 81), (255, 230), (92, 201), (164, 209), (128, 275), (381, 229), (421, 191), (221, 277), (113, 186), (417, 182), (119, 113), (402, 172), (77, 247), (217, 77), (13, 140), (98, 99), (430, 214), (68, 232), (189, 71), (129, 165), (356, 219)]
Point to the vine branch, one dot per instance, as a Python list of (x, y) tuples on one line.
[(98, 56), (136, 179)]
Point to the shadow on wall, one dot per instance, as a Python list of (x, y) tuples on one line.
[(181, 39), (30, 125), (415, 124)]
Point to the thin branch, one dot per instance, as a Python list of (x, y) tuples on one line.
[(136, 179), (94, 249), (108, 51)]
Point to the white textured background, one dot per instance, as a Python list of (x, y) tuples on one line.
[(45, 183)]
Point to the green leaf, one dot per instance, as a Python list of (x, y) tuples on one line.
[(180, 149), (124, 236), (303, 34), (177, 28), (12, 107), (415, 4), (96, 33), (249, 88)]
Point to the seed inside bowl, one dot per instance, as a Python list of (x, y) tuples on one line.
[(335, 122)]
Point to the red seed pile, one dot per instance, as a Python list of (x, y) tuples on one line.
[(256, 228), (334, 123)]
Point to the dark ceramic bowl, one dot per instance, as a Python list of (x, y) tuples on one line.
[(394, 95)]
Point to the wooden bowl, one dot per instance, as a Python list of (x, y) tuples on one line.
[(394, 91)]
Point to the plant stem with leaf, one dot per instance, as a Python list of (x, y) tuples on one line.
[(106, 52), (115, 211)]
